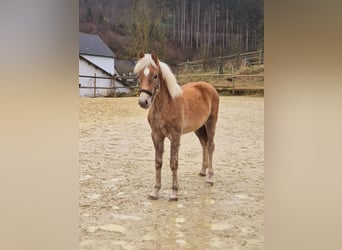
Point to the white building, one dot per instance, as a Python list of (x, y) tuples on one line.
[(97, 68)]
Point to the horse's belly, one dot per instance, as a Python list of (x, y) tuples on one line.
[(187, 130), (192, 123)]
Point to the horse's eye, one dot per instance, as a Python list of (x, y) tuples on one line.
[(155, 77)]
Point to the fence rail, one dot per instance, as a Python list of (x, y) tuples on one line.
[(234, 84), (221, 75), (112, 89), (226, 81), (221, 63)]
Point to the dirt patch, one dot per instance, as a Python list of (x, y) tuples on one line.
[(116, 159)]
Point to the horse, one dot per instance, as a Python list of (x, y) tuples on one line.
[(175, 110)]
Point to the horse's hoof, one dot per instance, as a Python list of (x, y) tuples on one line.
[(153, 196), (173, 197), (201, 173), (210, 181)]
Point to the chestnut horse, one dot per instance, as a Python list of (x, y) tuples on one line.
[(174, 111)]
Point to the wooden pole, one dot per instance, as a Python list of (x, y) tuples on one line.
[(94, 85), (233, 90), (114, 87), (231, 79)]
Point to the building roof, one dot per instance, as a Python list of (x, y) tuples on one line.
[(90, 44)]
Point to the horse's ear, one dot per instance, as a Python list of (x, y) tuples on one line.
[(155, 57), (140, 54)]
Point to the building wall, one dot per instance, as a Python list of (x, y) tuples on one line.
[(105, 63), (87, 69)]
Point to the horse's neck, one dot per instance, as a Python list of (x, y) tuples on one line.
[(163, 97)]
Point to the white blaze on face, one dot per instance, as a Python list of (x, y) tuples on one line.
[(146, 71), (144, 98)]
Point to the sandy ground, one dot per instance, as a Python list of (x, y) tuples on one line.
[(116, 160)]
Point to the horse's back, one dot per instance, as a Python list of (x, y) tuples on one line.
[(200, 91), (199, 86)]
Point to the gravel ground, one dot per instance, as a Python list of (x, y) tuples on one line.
[(116, 161)]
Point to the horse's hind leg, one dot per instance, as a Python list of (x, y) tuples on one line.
[(158, 143), (203, 138), (210, 128)]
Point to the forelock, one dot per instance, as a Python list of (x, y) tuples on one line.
[(144, 62)]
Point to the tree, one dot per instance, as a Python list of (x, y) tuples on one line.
[(184, 28), (145, 30)]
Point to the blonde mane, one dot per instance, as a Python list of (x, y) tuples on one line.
[(170, 79)]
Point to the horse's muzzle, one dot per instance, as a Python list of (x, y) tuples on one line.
[(145, 100)]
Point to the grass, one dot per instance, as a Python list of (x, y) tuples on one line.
[(253, 85)]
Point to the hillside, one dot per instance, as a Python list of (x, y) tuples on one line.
[(177, 30)]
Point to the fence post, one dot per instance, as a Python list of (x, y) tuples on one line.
[(231, 79), (186, 66), (233, 91), (244, 62), (94, 85), (220, 66), (114, 88)]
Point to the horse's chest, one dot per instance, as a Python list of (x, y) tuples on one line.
[(163, 123)]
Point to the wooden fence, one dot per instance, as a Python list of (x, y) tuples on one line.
[(189, 71), (221, 64), (113, 88), (229, 83)]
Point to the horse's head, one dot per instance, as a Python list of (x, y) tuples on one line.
[(149, 74)]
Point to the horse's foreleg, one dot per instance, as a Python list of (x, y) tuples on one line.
[(175, 142), (158, 143)]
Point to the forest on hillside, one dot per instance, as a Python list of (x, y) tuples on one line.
[(177, 30)]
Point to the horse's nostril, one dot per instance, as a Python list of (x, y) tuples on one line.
[(143, 103)]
